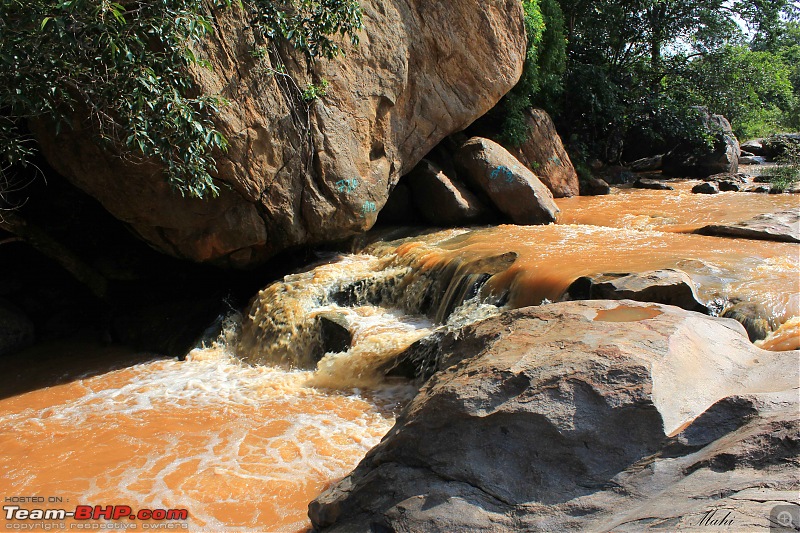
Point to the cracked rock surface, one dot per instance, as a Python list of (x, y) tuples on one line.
[(591, 416)]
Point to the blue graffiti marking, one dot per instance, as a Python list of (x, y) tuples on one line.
[(347, 186), (502, 171), (368, 207)]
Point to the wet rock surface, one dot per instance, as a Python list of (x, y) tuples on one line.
[(752, 316), (656, 185), (595, 187), (708, 187), (668, 286), (512, 188), (602, 415), (782, 226)]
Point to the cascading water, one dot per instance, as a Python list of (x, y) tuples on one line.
[(251, 427)]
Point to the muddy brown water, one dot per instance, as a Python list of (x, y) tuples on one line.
[(245, 447)]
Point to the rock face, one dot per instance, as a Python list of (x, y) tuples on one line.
[(645, 183), (647, 163), (595, 187), (667, 286), (782, 226), (707, 187), (441, 200), (296, 173), (584, 416), (754, 146), (697, 160), (512, 188), (545, 155)]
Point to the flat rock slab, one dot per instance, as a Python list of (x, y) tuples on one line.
[(601, 415), (646, 183), (783, 226), (667, 286)]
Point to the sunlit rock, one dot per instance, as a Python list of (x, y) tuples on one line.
[(603, 415)]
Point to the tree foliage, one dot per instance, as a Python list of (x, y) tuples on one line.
[(124, 70), (544, 64), (635, 70)]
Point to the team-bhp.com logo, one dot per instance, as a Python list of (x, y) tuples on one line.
[(18, 516)]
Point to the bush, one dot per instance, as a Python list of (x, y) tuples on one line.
[(127, 69)]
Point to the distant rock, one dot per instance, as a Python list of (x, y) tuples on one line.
[(667, 286), (594, 187), (584, 416), (729, 186), (698, 160), (442, 201), (513, 188), (754, 146), (738, 177), (545, 155), (752, 160), (778, 145), (647, 163), (645, 183), (707, 187), (782, 226)]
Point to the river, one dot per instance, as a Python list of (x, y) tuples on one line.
[(255, 423)]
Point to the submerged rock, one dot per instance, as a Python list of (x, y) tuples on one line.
[(668, 286), (594, 187), (752, 316), (544, 153), (583, 416), (707, 187), (645, 183), (300, 172), (513, 188), (782, 226), (729, 186)]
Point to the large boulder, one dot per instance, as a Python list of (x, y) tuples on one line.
[(697, 159), (754, 146), (299, 173), (544, 153), (584, 416), (781, 145), (442, 201), (512, 188)]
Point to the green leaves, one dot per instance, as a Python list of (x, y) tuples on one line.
[(310, 26), (126, 67)]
